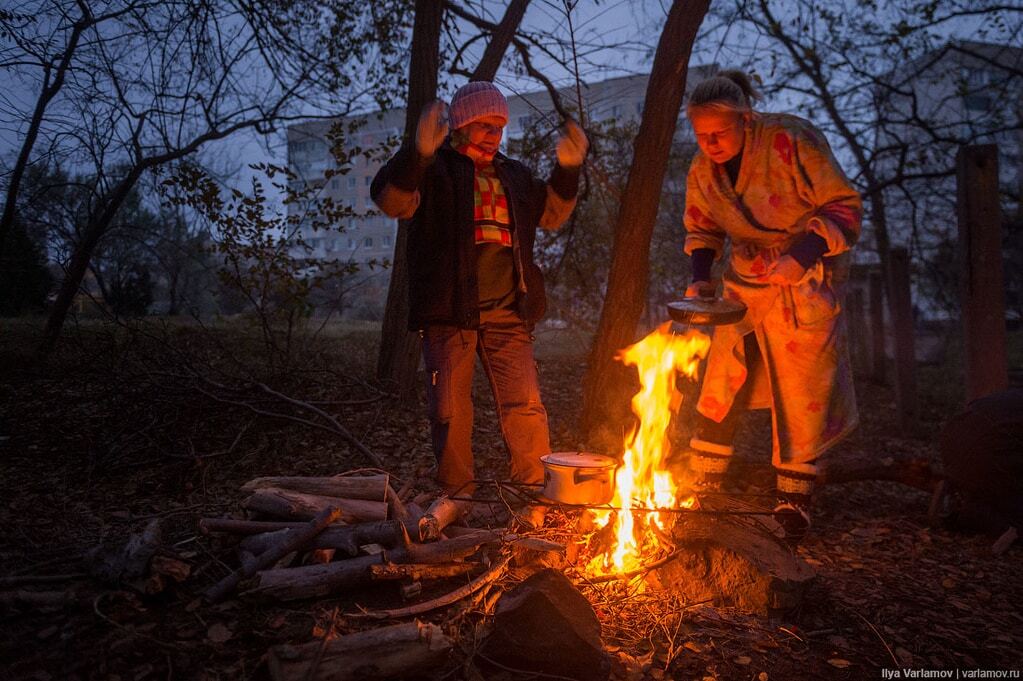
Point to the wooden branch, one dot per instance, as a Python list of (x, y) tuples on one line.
[(335, 425), (370, 487), (498, 45), (488, 577), (347, 539), (918, 472), (417, 572), (397, 651), (288, 504), (312, 581), (293, 542)]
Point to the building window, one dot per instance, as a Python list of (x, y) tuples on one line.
[(369, 178), (368, 242), (387, 241), (351, 244), (335, 183), (616, 111), (351, 183)]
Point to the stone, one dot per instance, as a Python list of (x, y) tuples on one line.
[(545, 625)]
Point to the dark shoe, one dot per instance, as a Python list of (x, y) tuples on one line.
[(794, 519)]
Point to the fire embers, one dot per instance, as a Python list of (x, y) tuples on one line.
[(643, 481)]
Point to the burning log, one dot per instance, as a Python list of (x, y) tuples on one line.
[(347, 539), (298, 505), (293, 541), (396, 651), (322, 580), (368, 487)]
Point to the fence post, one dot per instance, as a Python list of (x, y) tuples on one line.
[(981, 281), (858, 333), (877, 335), (905, 341)]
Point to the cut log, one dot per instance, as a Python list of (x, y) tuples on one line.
[(297, 505), (417, 572), (395, 505), (294, 540), (313, 581), (915, 471), (347, 539), (369, 487), (397, 651), (244, 527), (486, 579), (441, 513)]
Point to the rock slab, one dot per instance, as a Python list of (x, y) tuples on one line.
[(545, 625)]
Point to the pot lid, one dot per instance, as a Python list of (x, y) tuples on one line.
[(706, 311), (579, 460)]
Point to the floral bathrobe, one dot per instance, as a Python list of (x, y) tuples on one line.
[(789, 184)]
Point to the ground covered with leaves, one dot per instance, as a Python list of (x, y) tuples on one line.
[(123, 425)]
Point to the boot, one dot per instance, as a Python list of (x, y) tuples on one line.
[(792, 512), (709, 462)]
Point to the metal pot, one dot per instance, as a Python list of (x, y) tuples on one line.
[(578, 477), (706, 311)]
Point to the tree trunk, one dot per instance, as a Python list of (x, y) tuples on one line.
[(399, 347), (49, 91), (80, 258), (499, 41), (604, 399)]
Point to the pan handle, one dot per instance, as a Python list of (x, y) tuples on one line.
[(579, 476)]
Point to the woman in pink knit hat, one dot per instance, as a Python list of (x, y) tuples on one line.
[(474, 289)]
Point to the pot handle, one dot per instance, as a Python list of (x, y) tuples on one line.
[(579, 476)]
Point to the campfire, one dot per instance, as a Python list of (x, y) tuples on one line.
[(643, 481)]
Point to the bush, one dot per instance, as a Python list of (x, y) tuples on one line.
[(25, 280)]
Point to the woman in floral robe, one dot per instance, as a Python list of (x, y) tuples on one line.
[(765, 193)]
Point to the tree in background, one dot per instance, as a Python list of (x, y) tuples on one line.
[(156, 82), (606, 388), (888, 84), (25, 279)]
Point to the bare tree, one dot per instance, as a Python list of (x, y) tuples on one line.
[(883, 85), (605, 386), (157, 83)]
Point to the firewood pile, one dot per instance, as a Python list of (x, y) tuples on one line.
[(319, 537)]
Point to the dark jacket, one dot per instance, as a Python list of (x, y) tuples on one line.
[(437, 195)]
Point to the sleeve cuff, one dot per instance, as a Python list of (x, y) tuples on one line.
[(702, 259), (809, 249), (565, 181), (409, 170)]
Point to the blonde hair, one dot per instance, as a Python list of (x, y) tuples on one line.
[(726, 91)]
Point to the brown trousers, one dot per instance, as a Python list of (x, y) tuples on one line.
[(506, 351)]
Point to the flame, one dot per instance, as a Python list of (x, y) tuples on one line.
[(643, 480)]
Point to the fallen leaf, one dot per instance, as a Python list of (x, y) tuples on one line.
[(762, 676), (743, 660), (839, 662), (219, 633)]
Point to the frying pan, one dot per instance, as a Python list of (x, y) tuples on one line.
[(700, 311)]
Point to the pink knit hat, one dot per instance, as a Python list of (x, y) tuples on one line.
[(474, 101)]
